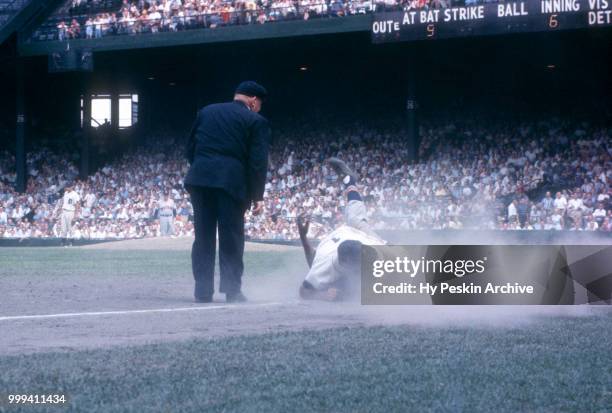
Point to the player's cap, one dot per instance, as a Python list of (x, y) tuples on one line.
[(251, 88)]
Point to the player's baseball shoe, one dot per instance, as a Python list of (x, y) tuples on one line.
[(235, 298), (343, 170)]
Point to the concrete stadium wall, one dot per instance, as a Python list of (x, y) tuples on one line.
[(465, 237), (479, 237), (44, 242)]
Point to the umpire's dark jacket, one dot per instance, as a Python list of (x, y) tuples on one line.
[(228, 149)]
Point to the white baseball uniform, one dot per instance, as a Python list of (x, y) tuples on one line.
[(69, 204), (166, 217), (325, 269)]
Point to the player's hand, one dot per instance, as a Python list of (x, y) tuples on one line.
[(258, 208), (332, 294), (303, 224)]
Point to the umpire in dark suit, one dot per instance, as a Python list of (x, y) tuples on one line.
[(228, 153)]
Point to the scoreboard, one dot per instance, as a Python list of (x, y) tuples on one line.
[(491, 18)]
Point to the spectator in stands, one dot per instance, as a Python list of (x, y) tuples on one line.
[(3, 217), (547, 202), (62, 30), (560, 202), (575, 207), (98, 22), (599, 213), (74, 31), (512, 211), (523, 210), (606, 225), (89, 28)]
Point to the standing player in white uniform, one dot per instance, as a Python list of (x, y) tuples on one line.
[(335, 265), (70, 207), (166, 216)]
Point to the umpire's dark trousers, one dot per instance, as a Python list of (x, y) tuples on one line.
[(214, 208)]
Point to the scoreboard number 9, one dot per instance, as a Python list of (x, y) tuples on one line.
[(431, 30)]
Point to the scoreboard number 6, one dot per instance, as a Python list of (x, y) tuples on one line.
[(553, 23), (431, 30)]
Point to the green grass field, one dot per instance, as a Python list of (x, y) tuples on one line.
[(559, 366), (32, 262), (554, 364)]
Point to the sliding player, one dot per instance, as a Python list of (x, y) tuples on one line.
[(335, 265)]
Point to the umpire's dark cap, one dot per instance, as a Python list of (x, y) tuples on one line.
[(250, 88)]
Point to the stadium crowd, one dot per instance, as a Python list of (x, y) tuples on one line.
[(174, 15), (152, 16), (471, 175)]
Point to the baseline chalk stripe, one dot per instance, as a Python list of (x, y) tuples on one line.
[(146, 311)]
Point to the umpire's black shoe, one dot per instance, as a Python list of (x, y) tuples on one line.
[(235, 298), (201, 295)]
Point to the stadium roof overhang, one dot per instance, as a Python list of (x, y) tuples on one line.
[(191, 37)]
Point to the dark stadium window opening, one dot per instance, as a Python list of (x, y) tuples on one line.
[(101, 110)]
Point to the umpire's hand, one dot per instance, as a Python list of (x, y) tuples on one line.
[(257, 208)]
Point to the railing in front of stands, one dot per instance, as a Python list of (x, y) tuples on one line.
[(84, 27)]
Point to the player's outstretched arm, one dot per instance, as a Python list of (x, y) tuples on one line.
[(303, 224), (308, 292)]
